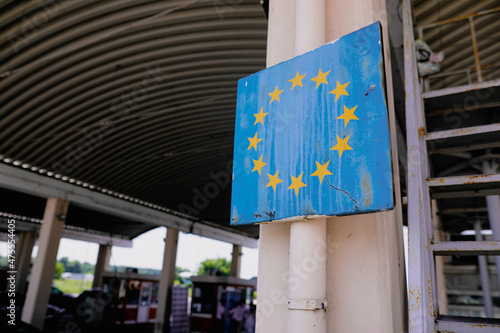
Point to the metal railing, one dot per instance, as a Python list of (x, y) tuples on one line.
[(478, 68)]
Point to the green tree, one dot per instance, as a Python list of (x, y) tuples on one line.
[(59, 270), (178, 278), (211, 266), (64, 261)]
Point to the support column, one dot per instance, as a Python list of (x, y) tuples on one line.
[(483, 275), (43, 270), (365, 259), (236, 261), (365, 265), (274, 238), (24, 248), (166, 280), (493, 204), (307, 297), (101, 265)]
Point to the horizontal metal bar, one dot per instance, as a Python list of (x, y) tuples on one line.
[(462, 180), (460, 89), (24, 226), (463, 210), (467, 324), (454, 133), (468, 147), (465, 193), (462, 108), (466, 248), (29, 182)]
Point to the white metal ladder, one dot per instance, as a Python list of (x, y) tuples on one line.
[(423, 294)]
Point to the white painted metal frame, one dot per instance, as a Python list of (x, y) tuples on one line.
[(31, 183), (423, 294), (422, 303)]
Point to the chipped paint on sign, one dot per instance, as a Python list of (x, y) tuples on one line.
[(312, 135)]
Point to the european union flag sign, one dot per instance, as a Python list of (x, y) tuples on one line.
[(312, 135)]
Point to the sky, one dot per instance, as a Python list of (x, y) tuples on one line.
[(147, 252)]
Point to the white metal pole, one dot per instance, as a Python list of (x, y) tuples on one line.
[(307, 277), (483, 274), (493, 204), (307, 295)]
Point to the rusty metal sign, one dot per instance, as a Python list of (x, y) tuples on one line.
[(312, 135)]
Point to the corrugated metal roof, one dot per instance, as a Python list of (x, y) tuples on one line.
[(455, 38), (135, 99)]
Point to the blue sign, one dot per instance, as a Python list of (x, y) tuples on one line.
[(312, 135)]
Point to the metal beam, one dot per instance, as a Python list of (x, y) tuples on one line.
[(463, 180), (21, 180), (23, 226), (454, 133), (460, 89), (467, 324), (466, 248)]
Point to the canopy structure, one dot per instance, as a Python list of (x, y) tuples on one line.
[(131, 99)]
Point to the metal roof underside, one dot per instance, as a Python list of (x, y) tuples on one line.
[(135, 99), (449, 107)]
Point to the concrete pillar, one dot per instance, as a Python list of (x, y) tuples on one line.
[(367, 255), (166, 280), (366, 288), (43, 269), (236, 261), (24, 248), (101, 265)]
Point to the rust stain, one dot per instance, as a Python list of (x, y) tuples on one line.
[(484, 325), (432, 312), (421, 132), (415, 298), (462, 131), (474, 179)]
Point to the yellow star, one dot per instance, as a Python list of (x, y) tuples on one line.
[(297, 80), (321, 78), (296, 184), (322, 171), (258, 164), (259, 117), (274, 180), (275, 95), (254, 141), (340, 90), (341, 145), (348, 115)]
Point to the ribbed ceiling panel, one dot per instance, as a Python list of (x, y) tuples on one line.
[(128, 97)]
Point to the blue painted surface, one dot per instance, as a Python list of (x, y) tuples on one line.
[(300, 129)]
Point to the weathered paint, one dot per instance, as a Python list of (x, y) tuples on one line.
[(460, 180), (290, 125)]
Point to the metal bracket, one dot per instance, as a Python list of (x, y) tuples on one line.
[(307, 304)]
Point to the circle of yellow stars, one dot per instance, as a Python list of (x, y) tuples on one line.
[(342, 143)]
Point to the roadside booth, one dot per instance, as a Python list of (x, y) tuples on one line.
[(135, 296), (211, 291)]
